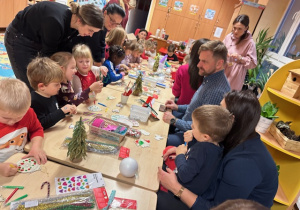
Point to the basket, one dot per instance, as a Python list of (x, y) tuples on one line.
[(110, 135), (284, 142), (139, 113)]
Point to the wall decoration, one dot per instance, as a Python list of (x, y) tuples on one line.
[(218, 32), (163, 3), (194, 9), (178, 6), (210, 14)]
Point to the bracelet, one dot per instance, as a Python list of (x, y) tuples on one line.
[(180, 192)]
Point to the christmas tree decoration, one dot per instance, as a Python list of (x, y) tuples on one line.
[(77, 146), (128, 167), (138, 86), (156, 63)]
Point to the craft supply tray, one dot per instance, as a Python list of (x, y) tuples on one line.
[(139, 113), (110, 135)]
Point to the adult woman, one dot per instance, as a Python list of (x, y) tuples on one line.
[(113, 15), (241, 52), (125, 6), (188, 73), (247, 170), (142, 34), (44, 29)]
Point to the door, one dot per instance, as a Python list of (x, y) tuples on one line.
[(188, 29), (211, 11), (204, 30), (159, 20), (6, 12), (179, 7), (163, 5), (173, 26)]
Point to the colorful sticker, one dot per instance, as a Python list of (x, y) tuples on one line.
[(210, 14), (194, 9), (178, 6), (163, 3)]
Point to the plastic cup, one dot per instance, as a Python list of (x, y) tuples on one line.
[(124, 99)]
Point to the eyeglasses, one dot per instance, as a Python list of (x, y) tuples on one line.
[(113, 22)]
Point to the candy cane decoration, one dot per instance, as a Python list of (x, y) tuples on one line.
[(48, 193)]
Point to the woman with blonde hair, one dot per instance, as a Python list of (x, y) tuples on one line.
[(45, 28)]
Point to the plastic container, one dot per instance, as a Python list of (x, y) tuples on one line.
[(157, 33), (124, 99), (139, 113), (150, 82), (151, 62)]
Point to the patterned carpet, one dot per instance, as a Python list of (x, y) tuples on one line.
[(5, 68)]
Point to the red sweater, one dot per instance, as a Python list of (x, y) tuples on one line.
[(13, 138), (182, 88), (87, 80)]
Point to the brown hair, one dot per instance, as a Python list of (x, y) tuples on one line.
[(171, 48), (43, 70), (218, 49), (243, 19), (138, 46), (128, 45), (240, 204), (115, 36), (149, 44), (215, 121), (89, 14), (62, 58), (15, 95)]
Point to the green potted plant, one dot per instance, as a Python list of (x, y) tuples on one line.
[(267, 117)]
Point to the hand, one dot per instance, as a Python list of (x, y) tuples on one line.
[(236, 57), (168, 180), (170, 104), (69, 109), (38, 153), (103, 70), (169, 153), (123, 66), (8, 169), (168, 116), (96, 87), (123, 74), (181, 149), (188, 136)]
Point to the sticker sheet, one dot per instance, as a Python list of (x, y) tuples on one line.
[(78, 183)]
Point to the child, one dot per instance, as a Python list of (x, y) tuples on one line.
[(198, 166), (85, 77), (186, 59), (115, 37), (171, 54), (128, 46), (136, 53), (149, 48), (18, 124), (66, 93), (116, 55), (45, 76)]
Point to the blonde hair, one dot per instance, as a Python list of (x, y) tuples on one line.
[(186, 59), (149, 44), (43, 70), (62, 58), (115, 36), (15, 95), (128, 45), (82, 51), (139, 47), (89, 14), (214, 121)]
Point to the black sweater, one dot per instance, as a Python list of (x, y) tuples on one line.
[(46, 109)]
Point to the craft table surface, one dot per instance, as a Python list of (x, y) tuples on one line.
[(32, 183), (148, 158)]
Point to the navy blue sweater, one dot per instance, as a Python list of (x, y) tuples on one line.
[(247, 172)]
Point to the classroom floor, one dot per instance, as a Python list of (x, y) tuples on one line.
[(5, 67)]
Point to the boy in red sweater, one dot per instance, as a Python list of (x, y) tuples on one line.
[(18, 124)]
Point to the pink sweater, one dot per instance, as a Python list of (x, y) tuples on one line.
[(235, 71), (182, 88)]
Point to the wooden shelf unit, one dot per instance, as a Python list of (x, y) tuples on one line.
[(289, 110)]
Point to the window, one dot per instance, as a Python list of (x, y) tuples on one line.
[(287, 38)]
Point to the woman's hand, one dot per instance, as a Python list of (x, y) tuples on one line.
[(188, 136), (168, 180)]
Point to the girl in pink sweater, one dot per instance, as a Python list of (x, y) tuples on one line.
[(241, 52), (188, 79)]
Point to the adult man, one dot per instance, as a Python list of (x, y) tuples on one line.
[(212, 56)]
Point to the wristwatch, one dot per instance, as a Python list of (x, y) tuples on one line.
[(173, 121), (180, 192)]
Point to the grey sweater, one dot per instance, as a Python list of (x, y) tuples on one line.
[(211, 91)]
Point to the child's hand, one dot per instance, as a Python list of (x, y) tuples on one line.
[(169, 153), (8, 169), (38, 153), (96, 87), (181, 149), (123, 66), (123, 75), (69, 109), (103, 70), (188, 136)]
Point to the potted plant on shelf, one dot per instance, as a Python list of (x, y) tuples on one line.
[(267, 117)]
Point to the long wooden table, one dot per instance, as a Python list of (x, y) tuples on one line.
[(32, 183), (149, 158)]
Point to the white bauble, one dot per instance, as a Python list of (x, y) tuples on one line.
[(128, 167)]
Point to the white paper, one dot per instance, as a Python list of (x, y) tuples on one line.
[(218, 32)]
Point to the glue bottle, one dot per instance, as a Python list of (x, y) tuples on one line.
[(157, 32), (162, 32)]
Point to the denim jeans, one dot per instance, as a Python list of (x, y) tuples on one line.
[(20, 51)]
